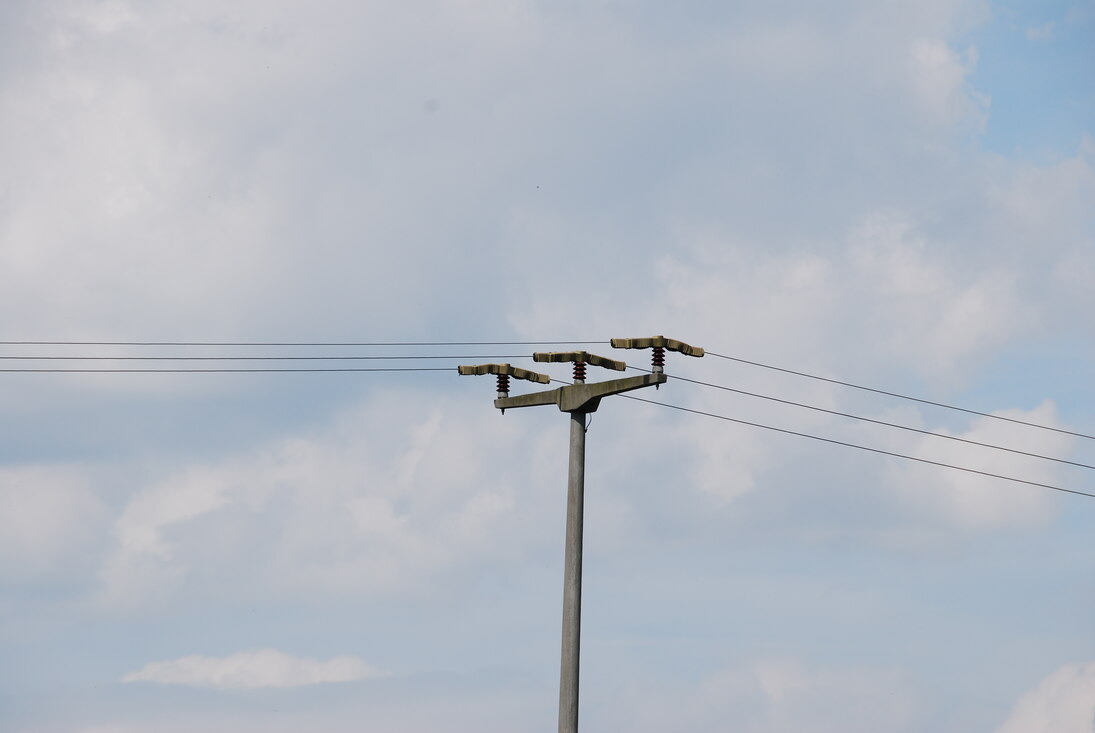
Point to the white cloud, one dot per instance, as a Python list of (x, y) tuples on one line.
[(1042, 32), (356, 507), (891, 299), (1063, 702), (725, 468), (775, 695), (49, 516), (881, 295), (252, 669), (939, 79), (106, 16), (975, 502), (910, 281), (140, 527)]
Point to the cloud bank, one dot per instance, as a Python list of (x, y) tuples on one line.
[(1064, 702), (252, 669)]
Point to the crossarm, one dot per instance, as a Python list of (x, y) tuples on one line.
[(580, 397)]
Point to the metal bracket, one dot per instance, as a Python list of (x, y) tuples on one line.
[(580, 397)]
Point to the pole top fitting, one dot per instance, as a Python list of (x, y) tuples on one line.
[(657, 342), (504, 370), (580, 357)]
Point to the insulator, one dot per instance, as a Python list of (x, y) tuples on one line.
[(657, 359), (579, 371), (503, 385)]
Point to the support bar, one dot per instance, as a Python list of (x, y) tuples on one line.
[(580, 397)]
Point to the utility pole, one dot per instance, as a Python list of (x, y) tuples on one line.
[(580, 400)]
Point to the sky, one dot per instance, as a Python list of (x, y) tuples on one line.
[(899, 195)]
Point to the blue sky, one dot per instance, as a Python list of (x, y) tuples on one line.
[(900, 196), (1035, 76)]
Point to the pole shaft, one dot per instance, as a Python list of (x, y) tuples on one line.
[(572, 577)]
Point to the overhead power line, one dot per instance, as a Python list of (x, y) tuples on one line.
[(862, 447), (878, 422), (902, 396), (327, 369), (504, 343), (265, 358), (231, 370), (292, 343)]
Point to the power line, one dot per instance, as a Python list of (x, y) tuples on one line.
[(227, 370), (901, 396), (516, 343), (877, 422), (263, 358), (662, 404), (861, 447), (292, 343)]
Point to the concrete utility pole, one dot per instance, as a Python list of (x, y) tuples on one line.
[(579, 399)]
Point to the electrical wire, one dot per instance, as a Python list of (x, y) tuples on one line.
[(901, 396), (874, 421), (292, 343), (262, 358), (860, 447), (844, 443), (639, 399), (230, 370), (524, 343)]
